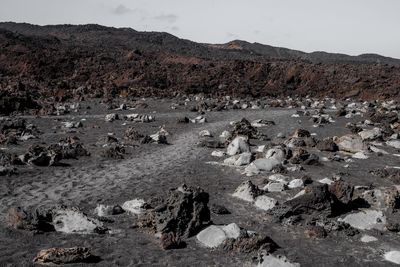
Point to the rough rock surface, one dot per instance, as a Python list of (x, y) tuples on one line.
[(65, 256), (183, 211)]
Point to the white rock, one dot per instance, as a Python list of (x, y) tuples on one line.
[(265, 202), (231, 230), (326, 181), (274, 187), (199, 119), (294, 168), (239, 160), (370, 134), (265, 164), (273, 261), (366, 220), (260, 148), (251, 170), (394, 136), (103, 210), (279, 178), (276, 153), (205, 133), (392, 256), (295, 183), (299, 194), (225, 135), (217, 153), (231, 160), (111, 117), (26, 137), (134, 206), (360, 155), (246, 191), (74, 221), (378, 150), (394, 143), (350, 143), (237, 146), (214, 235), (368, 238)]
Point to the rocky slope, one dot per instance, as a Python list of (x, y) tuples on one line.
[(63, 61)]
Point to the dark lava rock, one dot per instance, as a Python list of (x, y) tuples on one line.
[(171, 241), (132, 135), (7, 171), (183, 212), (113, 152), (384, 118), (316, 200), (35, 220), (343, 191), (106, 140), (299, 156), (65, 255), (244, 128), (41, 156), (327, 145), (341, 112), (219, 209), (354, 128), (12, 124), (250, 243), (310, 141), (69, 149), (390, 174), (301, 133), (7, 159), (315, 232), (210, 143), (393, 227), (183, 120), (12, 102)]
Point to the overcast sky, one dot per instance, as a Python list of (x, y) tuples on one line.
[(345, 26)]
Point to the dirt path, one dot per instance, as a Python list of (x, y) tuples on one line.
[(85, 184)]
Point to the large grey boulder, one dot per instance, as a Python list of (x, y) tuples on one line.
[(370, 134), (247, 191), (238, 145), (214, 235), (350, 143)]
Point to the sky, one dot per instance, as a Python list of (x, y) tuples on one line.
[(341, 26)]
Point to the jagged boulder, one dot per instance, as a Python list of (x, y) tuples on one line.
[(183, 212)]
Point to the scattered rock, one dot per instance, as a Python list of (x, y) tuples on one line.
[(114, 151), (218, 209), (370, 134), (392, 256), (327, 145), (366, 220), (265, 202), (247, 191), (350, 143), (368, 239), (273, 261), (135, 206), (213, 236), (65, 256), (106, 210), (238, 145), (111, 117), (183, 211)]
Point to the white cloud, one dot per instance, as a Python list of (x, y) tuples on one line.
[(121, 10), (169, 18)]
